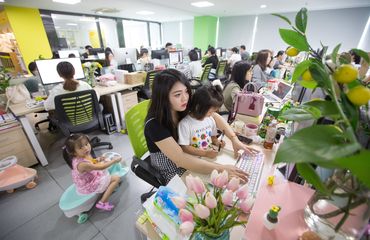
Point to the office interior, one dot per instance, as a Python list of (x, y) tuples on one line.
[(35, 30)]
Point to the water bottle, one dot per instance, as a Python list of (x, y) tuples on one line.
[(270, 135)]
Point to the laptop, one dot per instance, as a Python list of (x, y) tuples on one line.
[(280, 92)]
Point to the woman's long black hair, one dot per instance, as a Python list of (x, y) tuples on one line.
[(238, 73), (160, 107)]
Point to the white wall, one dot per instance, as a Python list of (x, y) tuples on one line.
[(171, 33), (188, 33)]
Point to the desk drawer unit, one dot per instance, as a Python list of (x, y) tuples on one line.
[(14, 142), (129, 99)]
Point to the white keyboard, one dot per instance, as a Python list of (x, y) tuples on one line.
[(251, 164)]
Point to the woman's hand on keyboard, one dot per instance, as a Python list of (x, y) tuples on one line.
[(238, 145), (236, 172)]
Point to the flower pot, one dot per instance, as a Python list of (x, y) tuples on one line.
[(320, 217), (202, 236)]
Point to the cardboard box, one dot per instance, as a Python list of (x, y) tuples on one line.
[(120, 75), (135, 77)]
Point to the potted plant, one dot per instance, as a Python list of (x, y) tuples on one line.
[(89, 71), (340, 206), (213, 211), (4, 79)]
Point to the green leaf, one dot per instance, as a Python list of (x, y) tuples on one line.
[(300, 69), (311, 176), (308, 84), (362, 54), (350, 110), (294, 39), (335, 53), (316, 144), (319, 74), (327, 108), (301, 20), (358, 164), (343, 60), (282, 17), (301, 113)]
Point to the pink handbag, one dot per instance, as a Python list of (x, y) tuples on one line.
[(247, 102)]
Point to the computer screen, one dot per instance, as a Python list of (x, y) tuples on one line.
[(65, 53), (160, 54), (282, 90), (48, 70), (175, 57), (219, 52), (122, 54), (95, 51)]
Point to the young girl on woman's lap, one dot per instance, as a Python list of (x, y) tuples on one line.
[(90, 175)]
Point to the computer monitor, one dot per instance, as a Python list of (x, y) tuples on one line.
[(121, 55), (175, 57), (48, 70), (219, 52), (65, 53), (95, 51), (160, 54)]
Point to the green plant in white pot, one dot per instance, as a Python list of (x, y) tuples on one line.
[(4, 79), (340, 207)]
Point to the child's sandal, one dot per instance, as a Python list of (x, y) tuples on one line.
[(106, 206)]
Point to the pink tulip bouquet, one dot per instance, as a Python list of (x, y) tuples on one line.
[(213, 210)]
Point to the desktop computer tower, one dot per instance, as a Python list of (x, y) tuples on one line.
[(110, 126)]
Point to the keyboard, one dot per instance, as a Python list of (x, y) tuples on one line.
[(34, 104), (251, 164)]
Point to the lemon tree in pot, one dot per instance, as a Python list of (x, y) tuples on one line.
[(340, 206)]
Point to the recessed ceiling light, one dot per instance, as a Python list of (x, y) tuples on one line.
[(263, 6), (72, 24), (144, 12), (2, 0), (67, 1), (202, 4)]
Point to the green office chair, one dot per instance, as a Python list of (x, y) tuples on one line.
[(135, 122), (221, 70), (196, 83), (146, 92), (79, 112)]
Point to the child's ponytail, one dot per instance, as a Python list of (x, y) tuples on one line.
[(70, 145)]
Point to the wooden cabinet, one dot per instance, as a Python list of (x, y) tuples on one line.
[(13, 141), (129, 99)]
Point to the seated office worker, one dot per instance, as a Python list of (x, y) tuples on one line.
[(86, 53), (243, 53), (259, 76), (240, 75), (235, 56), (67, 72), (195, 64), (144, 57), (168, 106), (212, 58)]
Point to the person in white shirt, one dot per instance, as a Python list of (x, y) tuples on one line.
[(67, 72), (195, 64), (235, 57)]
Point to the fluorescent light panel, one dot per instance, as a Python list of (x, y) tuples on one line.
[(263, 6), (67, 1), (72, 24), (202, 4), (144, 12)]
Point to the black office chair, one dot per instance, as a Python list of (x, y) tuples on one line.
[(135, 122), (79, 112), (146, 91)]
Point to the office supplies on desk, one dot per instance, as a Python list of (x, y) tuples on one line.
[(34, 104), (251, 164)]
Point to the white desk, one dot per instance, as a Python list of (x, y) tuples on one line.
[(20, 110)]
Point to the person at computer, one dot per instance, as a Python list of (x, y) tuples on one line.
[(195, 65), (235, 56), (243, 53), (168, 46), (110, 62), (260, 76), (213, 59), (240, 75), (87, 51), (168, 106), (279, 63), (144, 57), (71, 55), (67, 72)]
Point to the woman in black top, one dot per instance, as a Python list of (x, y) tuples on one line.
[(212, 58), (169, 104)]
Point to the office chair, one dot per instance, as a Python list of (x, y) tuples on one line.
[(135, 122), (79, 112), (146, 91), (221, 70), (196, 83)]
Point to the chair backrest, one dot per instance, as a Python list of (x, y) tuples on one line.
[(78, 112), (135, 121), (150, 78), (205, 73), (221, 68)]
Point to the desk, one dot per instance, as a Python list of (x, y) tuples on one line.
[(20, 110)]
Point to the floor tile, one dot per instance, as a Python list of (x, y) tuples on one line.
[(99, 236), (52, 224), (24, 204)]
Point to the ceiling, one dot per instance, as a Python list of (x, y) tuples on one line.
[(174, 10)]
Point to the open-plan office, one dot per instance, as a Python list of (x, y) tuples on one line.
[(46, 30)]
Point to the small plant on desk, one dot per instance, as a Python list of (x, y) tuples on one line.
[(213, 211)]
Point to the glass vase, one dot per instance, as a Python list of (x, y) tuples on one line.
[(225, 235), (321, 216)]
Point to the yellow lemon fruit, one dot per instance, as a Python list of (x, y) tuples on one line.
[(306, 76), (292, 52), (346, 73), (359, 95)]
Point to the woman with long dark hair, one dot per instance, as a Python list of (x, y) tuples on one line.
[(260, 76), (169, 104)]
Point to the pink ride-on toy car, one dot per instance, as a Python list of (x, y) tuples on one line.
[(13, 176)]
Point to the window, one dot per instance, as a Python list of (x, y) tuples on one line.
[(109, 32), (136, 34), (155, 35)]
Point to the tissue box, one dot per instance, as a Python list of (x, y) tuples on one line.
[(120, 75), (135, 77)]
